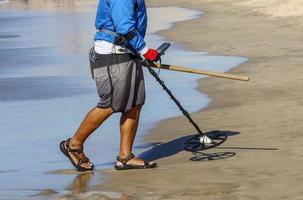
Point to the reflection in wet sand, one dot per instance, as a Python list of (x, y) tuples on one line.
[(94, 195), (81, 182), (80, 189)]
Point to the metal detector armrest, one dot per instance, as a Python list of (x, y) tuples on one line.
[(161, 49)]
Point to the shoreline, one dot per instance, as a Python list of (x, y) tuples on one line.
[(265, 113)]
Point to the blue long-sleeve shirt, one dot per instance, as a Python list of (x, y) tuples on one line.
[(122, 17)]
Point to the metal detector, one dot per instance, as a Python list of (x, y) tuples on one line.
[(200, 141)]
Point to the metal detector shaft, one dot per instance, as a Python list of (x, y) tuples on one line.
[(194, 143), (161, 50), (185, 112)]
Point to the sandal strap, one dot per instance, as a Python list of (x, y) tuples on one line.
[(126, 159), (84, 160), (146, 163), (76, 152)]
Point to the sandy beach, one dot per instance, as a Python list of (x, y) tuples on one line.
[(261, 159), (264, 115)]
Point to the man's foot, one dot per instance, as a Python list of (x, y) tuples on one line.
[(132, 162), (76, 156)]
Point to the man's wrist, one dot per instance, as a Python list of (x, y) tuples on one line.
[(144, 50)]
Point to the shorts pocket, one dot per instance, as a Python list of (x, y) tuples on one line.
[(103, 83)]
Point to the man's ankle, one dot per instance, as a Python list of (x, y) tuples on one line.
[(75, 143), (123, 155)]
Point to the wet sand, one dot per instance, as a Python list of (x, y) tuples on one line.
[(263, 116)]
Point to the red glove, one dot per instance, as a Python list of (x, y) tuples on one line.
[(151, 55)]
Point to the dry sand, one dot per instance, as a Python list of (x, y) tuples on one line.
[(267, 111)]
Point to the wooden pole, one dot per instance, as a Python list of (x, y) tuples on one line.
[(199, 71)]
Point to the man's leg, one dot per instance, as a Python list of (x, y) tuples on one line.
[(128, 128), (91, 122)]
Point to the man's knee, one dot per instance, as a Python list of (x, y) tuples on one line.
[(108, 111), (134, 111)]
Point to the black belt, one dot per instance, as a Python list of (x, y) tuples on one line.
[(103, 60), (121, 40)]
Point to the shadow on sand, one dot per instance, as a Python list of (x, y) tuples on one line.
[(162, 150)]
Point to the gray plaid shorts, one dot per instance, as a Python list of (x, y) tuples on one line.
[(119, 80)]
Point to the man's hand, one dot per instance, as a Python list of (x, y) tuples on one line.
[(152, 55)]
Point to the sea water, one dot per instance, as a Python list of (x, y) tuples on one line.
[(46, 90)]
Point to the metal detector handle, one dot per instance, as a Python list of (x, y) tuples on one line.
[(161, 49)]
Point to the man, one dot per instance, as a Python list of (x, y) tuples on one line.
[(121, 27)]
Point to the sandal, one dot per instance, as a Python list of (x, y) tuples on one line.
[(125, 166), (66, 150)]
